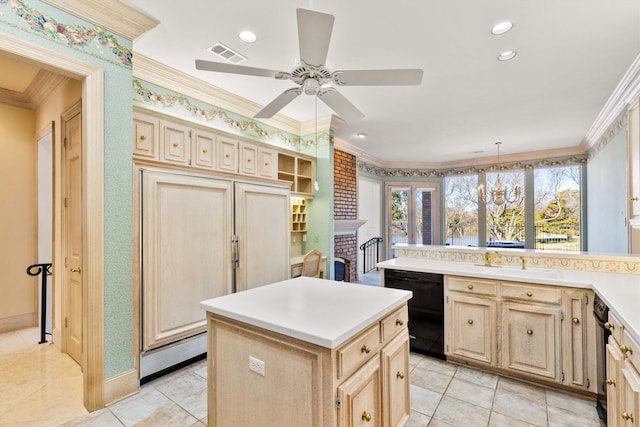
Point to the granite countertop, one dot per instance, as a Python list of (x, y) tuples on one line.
[(318, 311), (621, 292)]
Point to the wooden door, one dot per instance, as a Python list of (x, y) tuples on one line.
[(530, 339), (360, 397), (471, 329), (72, 234), (262, 230), (395, 381), (630, 403), (613, 383), (186, 252), (575, 339)]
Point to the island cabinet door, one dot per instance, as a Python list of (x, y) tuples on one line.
[(470, 328), (613, 383), (395, 381), (531, 339), (186, 255), (360, 397)]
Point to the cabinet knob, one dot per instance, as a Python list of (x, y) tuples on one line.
[(609, 326), (575, 320), (143, 137), (227, 155), (266, 163), (470, 287), (399, 322), (75, 270), (529, 293), (470, 321), (175, 144), (400, 375), (627, 416), (633, 199), (248, 160), (529, 331), (626, 349), (611, 382), (365, 349), (204, 151), (366, 416)]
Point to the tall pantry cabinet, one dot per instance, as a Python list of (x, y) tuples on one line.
[(204, 231)]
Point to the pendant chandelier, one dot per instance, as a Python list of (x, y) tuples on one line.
[(499, 194)]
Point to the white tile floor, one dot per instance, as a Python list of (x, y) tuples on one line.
[(39, 386)]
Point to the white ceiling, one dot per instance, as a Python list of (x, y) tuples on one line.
[(571, 55)]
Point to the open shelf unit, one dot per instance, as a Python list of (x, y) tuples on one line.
[(298, 215), (298, 171)]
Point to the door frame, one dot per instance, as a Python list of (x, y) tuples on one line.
[(435, 208), (92, 77)]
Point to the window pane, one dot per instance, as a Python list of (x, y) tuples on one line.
[(461, 210), (399, 215), (423, 216), (505, 209), (557, 208)]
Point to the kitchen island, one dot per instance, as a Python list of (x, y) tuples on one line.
[(308, 352)]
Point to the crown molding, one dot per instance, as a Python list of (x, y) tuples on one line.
[(113, 15), (147, 69), (42, 85), (622, 97)]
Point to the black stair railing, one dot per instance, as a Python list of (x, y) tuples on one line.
[(45, 270), (370, 254)]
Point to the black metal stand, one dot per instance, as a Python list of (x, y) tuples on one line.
[(45, 270)]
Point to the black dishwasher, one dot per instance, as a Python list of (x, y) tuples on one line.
[(426, 309)]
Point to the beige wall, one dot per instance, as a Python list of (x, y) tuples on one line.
[(59, 100), (18, 305)]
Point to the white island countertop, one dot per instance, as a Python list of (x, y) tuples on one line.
[(621, 292), (318, 311)]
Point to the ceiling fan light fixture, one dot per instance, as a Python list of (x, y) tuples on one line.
[(507, 55), (248, 36), (361, 135), (310, 86), (501, 28)]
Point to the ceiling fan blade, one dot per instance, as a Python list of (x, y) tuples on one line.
[(397, 77), (237, 69), (279, 103), (341, 105), (314, 35)]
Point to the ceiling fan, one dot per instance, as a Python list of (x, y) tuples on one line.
[(312, 78)]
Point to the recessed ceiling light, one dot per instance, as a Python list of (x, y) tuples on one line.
[(361, 135), (505, 56), (247, 36), (501, 28)]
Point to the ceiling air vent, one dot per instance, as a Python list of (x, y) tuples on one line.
[(227, 53)]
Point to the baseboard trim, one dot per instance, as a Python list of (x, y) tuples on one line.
[(121, 386), (20, 321)]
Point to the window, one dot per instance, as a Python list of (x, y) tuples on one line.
[(545, 216)]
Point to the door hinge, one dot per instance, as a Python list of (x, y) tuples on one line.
[(562, 377), (586, 299), (65, 262), (447, 299), (588, 383), (66, 322), (65, 142), (561, 316), (190, 133), (65, 202), (337, 401)]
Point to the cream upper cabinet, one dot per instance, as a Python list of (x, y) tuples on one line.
[(267, 163), (175, 142), (248, 159), (203, 149), (541, 332), (227, 155), (145, 136)]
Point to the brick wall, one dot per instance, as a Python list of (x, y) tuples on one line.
[(426, 218), (345, 205)]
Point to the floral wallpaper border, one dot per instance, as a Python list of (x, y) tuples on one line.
[(556, 260), (95, 41), (161, 98), (440, 173)]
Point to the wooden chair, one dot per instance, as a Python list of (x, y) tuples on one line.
[(311, 263)]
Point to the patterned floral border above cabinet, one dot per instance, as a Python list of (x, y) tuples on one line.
[(563, 261)]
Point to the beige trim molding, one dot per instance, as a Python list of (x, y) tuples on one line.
[(93, 175), (622, 97), (151, 71), (42, 84), (114, 15), (20, 321), (121, 386)]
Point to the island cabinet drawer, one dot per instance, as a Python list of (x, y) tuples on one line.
[(615, 327), (472, 286), (357, 351), (531, 293), (393, 323)]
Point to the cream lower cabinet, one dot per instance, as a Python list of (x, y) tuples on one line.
[(623, 380), (363, 382), (535, 331)]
